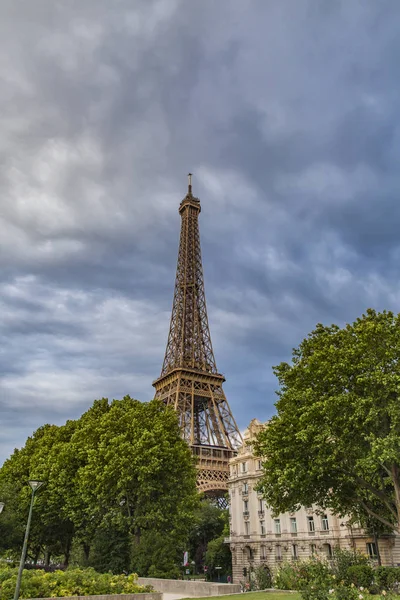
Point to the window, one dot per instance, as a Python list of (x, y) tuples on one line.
[(311, 524), (245, 489), (244, 467), (260, 505), (277, 525), (295, 554), (245, 506), (246, 528), (293, 525), (278, 552), (313, 549), (263, 553), (262, 527), (372, 550), (327, 550), (259, 465), (325, 523)]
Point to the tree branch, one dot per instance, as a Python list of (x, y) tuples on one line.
[(386, 469), (377, 516), (379, 494)]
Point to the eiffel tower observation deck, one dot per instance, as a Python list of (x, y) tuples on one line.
[(189, 379)]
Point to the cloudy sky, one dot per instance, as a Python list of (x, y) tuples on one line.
[(286, 111)]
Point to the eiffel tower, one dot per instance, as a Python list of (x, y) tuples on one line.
[(189, 379)]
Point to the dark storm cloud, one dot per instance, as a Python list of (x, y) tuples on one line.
[(286, 112)]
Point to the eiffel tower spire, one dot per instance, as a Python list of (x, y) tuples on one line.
[(189, 379)]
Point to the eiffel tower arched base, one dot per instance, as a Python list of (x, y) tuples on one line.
[(213, 473)]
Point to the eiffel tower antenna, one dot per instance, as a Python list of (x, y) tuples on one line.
[(189, 379)]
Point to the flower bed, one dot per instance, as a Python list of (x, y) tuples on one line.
[(72, 582), (348, 576)]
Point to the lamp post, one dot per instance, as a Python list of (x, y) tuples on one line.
[(35, 485)]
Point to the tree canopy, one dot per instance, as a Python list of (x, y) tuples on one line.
[(118, 473), (335, 440), (208, 524)]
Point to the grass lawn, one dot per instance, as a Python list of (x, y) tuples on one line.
[(258, 596)]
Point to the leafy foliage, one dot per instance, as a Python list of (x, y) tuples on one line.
[(360, 575), (219, 555), (335, 441), (343, 560), (348, 576), (300, 575), (73, 582), (208, 524), (158, 554), (114, 476), (111, 549), (263, 577), (387, 578)]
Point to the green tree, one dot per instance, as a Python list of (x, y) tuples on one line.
[(118, 473), (52, 531), (158, 554), (219, 555), (208, 523), (335, 440), (111, 547), (136, 465)]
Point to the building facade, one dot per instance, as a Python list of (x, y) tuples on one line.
[(258, 537)]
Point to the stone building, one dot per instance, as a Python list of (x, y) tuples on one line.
[(257, 537)]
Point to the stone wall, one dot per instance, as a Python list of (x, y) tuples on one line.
[(192, 589), (149, 596)]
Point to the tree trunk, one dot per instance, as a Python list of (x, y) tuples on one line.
[(47, 557), (67, 552), (378, 554), (396, 484), (36, 555), (86, 550), (137, 535)]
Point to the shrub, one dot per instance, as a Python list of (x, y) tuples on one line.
[(360, 575), (286, 577), (263, 577), (300, 574), (387, 578), (173, 573), (344, 559), (73, 582), (316, 580), (346, 592)]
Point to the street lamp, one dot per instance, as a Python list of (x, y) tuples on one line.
[(35, 485)]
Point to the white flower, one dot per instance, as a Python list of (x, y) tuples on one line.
[(331, 591), (360, 596), (352, 585), (361, 589), (383, 592)]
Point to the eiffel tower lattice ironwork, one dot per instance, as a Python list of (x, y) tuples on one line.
[(189, 379)]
